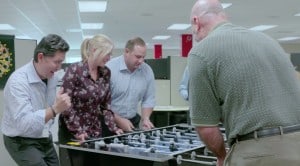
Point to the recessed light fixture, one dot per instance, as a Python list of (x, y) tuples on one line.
[(262, 27), (74, 30), (289, 38), (88, 36), (6, 27), (298, 14), (91, 25), (92, 6), (179, 26), (161, 37), (226, 5)]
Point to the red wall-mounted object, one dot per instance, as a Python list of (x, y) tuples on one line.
[(157, 51), (186, 44)]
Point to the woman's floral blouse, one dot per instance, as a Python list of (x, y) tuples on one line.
[(90, 101)]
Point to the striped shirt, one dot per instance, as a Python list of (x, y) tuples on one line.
[(26, 97)]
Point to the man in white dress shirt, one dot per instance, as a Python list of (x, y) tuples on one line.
[(30, 105)]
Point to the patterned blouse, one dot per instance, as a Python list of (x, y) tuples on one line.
[(90, 101)]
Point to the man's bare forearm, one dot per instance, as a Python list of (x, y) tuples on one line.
[(214, 140)]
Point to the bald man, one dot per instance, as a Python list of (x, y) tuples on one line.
[(243, 79)]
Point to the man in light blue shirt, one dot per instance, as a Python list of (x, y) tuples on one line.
[(132, 82), (184, 85), (30, 105)]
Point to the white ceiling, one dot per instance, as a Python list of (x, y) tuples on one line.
[(125, 19)]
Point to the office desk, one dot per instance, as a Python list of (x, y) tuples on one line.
[(169, 115), (170, 108)]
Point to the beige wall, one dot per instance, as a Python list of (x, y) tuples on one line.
[(162, 92), (178, 65), (291, 48)]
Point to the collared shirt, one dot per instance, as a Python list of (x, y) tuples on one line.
[(26, 98), (89, 100), (129, 88), (243, 78)]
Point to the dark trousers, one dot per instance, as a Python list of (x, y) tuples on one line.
[(31, 151)]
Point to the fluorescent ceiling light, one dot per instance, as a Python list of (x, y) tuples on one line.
[(160, 37), (91, 25), (179, 26), (92, 6), (74, 30), (289, 38), (87, 36), (226, 5), (298, 14), (262, 27), (6, 27)]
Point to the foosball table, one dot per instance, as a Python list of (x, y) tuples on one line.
[(165, 146)]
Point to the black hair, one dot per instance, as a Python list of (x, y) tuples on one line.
[(49, 45)]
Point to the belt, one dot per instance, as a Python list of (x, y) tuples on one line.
[(20, 139), (267, 133)]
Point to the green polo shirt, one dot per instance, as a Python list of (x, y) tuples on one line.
[(244, 79)]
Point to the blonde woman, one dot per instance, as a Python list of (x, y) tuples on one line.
[(88, 84)]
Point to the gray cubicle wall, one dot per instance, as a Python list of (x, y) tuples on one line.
[(168, 73), (23, 53), (178, 65), (161, 70)]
